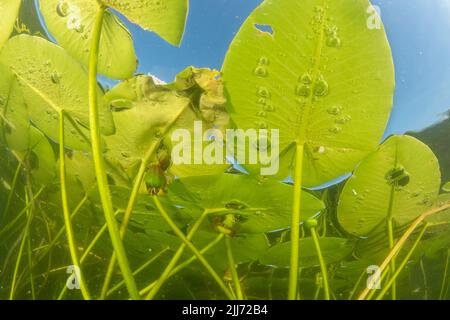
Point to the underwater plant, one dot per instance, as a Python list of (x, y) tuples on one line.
[(104, 195)]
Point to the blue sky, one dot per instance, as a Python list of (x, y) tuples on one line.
[(418, 30)]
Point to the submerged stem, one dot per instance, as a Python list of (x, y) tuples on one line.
[(391, 245), (391, 281), (323, 266), (66, 210), (11, 192), (21, 247), (295, 223), (165, 275), (401, 242), (232, 266), (182, 265), (444, 277), (100, 173), (194, 250)]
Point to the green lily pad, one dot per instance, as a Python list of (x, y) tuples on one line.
[(258, 205), (314, 71), (51, 82), (71, 23), (166, 18), (399, 181)]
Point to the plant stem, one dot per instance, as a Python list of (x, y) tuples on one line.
[(66, 210), (100, 173), (21, 213), (165, 275), (295, 223), (139, 270), (232, 266), (444, 277), (391, 245), (88, 250), (11, 192), (21, 247), (401, 242), (391, 281), (194, 250), (185, 263), (30, 266), (323, 266)]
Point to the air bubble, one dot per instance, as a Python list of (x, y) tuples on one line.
[(303, 90), (263, 92), (62, 9), (334, 42), (321, 87), (260, 72), (263, 61), (306, 78), (269, 108), (335, 110), (336, 129)]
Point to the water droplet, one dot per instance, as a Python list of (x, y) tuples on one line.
[(321, 87), (263, 92), (303, 90), (334, 42), (263, 61), (320, 149), (269, 108), (343, 120), (335, 110), (306, 78), (79, 28), (261, 72), (261, 114), (335, 129), (62, 9)]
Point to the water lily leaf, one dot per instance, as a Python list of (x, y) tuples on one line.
[(399, 181), (145, 113), (255, 208), (19, 134), (10, 11), (333, 250), (314, 71), (71, 23), (440, 220), (167, 18), (52, 81)]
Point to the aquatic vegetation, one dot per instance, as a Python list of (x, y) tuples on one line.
[(95, 204)]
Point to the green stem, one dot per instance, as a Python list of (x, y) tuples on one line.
[(165, 275), (391, 281), (323, 266), (232, 266), (102, 181), (11, 192), (139, 270), (21, 247), (391, 245), (30, 267), (66, 210), (444, 277), (194, 250), (21, 213), (295, 223), (401, 242), (355, 287), (88, 250), (185, 263)]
